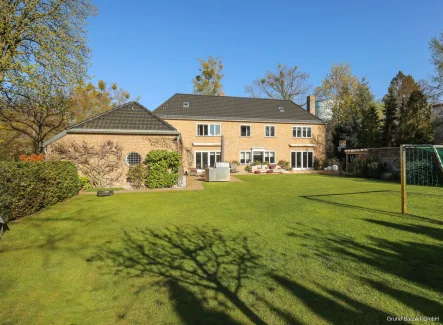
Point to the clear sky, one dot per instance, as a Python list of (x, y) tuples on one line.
[(150, 48)]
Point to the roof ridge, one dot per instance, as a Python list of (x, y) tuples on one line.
[(242, 97), (98, 115), (120, 107), (156, 116)]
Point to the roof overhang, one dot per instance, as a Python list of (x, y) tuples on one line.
[(110, 131), (237, 119), (303, 145)]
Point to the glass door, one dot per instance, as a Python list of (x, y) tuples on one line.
[(302, 160)]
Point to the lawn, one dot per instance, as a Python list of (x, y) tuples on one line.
[(274, 249)]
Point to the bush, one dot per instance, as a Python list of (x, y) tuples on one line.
[(284, 164), (137, 176), (163, 168), (85, 183), (26, 188)]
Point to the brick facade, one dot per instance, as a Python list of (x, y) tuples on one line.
[(141, 144), (283, 142)]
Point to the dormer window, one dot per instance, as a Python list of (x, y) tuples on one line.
[(185, 104), (281, 109)]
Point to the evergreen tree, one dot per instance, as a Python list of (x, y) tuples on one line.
[(390, 110), (416, 120), (369, 134)]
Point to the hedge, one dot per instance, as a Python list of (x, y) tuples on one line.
[(163, 168), (28, 187)]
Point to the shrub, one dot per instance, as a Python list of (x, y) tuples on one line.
[(236, 162), (284, 164), (85, 183), (137, 175), (26, 188), (163, 168), (248, 168)]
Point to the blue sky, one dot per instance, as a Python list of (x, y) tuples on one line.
[(150, 48)]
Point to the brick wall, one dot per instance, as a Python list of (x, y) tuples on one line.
[(141, 144), (234, 143)]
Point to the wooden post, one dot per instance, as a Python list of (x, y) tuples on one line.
[(403, 178)]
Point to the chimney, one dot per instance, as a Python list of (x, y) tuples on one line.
[(310, 106)]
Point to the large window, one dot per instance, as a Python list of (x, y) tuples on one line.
[(133, 158), (302, 132), (209, 130), (245, 157), (204, 159), (269, 131), (263, 156), (245, 130), (302, 160), (270, 157)]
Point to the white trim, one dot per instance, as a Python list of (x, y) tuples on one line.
[(126, 158), (275, 131), (208, 151), (250, 157), (302, 145), (250, 131), (208, 124), (302, 137), (208, 144), (308, 168)]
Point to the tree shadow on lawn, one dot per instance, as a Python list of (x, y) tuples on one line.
[(415, 262), (208, 273), (317, 198), (333, 310), (190, 257), (436, 233)]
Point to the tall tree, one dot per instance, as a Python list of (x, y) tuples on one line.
[(365, 116), (369, 133), (436, 46), (89, 100), (208, 81), (390, 111), (415, 121), (408, 115), (40, 112), (285, 83), (43, 36), (337, 90)]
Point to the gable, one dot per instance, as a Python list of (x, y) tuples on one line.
[(131, 116)]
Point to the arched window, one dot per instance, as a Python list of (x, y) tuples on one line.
[(133, 158)]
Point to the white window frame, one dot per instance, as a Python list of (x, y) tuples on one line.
[(250, 157), (209, 130), (209, 156), (131, 152), (275, 156), (275, 131), (302, 168), (302, 129), (250, 131)]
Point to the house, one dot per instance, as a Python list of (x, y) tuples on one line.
[(132, 126), (224, 128), (207, 129)]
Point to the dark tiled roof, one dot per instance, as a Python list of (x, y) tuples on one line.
[(130, 116), (203, 107)]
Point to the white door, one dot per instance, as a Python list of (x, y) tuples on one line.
[(301, 160)]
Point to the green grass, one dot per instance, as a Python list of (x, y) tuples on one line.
[(281, 249), (95, 189)]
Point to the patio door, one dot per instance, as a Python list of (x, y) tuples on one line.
[(301, 160)]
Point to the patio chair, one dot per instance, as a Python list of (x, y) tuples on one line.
[(234, 168)]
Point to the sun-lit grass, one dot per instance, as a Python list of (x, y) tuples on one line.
[(281, 249)]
